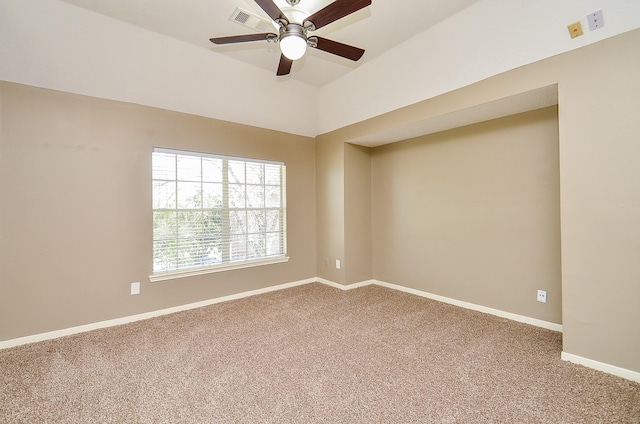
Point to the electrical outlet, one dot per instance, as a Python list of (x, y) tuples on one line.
[(575, 29), (135, 288), (337, 263), (542, 296)]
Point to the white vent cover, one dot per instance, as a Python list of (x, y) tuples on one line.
[(252, 21)]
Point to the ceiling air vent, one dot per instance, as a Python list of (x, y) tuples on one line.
[(252, 21)]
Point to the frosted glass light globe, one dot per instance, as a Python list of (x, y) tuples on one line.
[(293, 46)]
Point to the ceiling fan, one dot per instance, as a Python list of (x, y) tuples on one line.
[(294, 37)]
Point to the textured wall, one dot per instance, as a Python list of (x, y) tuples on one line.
[(599, 185), (75, 208), (330, 209), (473, 214), (357, 198)]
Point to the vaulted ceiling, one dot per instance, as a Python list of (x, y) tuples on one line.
[(377, 28), (157, 53)]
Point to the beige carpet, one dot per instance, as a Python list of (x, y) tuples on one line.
[(311, 354)]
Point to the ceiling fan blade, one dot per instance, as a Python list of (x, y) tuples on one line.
[(272, 10), (285, 66), (242, 38), (340, 49), (336, 10)]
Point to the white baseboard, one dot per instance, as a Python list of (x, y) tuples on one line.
[(345, 287), (472, 306), (601, 366), (133, 318), (125, 320)]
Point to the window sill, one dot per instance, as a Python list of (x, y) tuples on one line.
[(171, 275)]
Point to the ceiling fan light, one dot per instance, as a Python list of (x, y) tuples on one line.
[(293, 46)]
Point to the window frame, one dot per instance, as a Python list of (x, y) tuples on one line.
[(225, 210)]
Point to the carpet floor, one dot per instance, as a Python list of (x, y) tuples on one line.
[(311, 354)]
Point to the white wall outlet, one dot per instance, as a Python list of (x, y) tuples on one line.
[(542, 296), (135, 288), (337, 263), (596, 20)]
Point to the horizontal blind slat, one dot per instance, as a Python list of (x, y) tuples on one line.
[(203, 217)]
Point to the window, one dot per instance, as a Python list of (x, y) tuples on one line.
[(213, 213)]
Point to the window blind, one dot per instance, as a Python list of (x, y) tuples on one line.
[(211, 210)]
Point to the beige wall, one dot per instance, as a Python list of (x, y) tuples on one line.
[(344, 211), (599, 105), (600, 201), (330, 209), (65, 159), (357, 198), (473, 214), (75, 208)]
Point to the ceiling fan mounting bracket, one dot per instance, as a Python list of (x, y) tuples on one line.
[(282, 23), (293, 2), (312, 42), (309, 26)]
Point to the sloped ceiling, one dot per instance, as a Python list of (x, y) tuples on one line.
[(377, 28), (156, 53)]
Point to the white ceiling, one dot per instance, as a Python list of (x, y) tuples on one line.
[(143, 57), (377, 28)]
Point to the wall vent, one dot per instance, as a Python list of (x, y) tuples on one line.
[(252, 21)]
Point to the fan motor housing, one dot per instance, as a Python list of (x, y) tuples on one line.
[(293, 29)]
